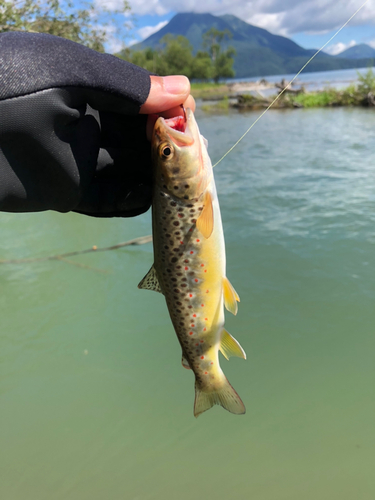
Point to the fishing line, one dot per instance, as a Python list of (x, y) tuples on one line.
[(290, 83)]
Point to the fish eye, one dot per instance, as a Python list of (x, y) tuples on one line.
[(166, 151)]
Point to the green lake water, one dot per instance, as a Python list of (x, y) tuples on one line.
[(94, 403)]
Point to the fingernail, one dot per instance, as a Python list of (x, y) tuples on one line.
[(176, 84)]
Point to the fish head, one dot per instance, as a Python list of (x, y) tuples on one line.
[(182, 166)]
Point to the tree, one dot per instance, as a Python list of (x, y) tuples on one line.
[(174, 56), (222, 61), (202, 66), (177, 54), (58, 17)]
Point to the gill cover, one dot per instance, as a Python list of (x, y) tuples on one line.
[(182, 165)]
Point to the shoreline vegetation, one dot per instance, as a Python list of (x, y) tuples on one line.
[(247, 96)]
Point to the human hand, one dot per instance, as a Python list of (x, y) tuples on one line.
[(165, 99), (71, 138)]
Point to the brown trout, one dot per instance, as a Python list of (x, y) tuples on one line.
[(189, 258)]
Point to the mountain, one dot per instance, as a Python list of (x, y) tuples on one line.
[(258, 52), (360, 51)]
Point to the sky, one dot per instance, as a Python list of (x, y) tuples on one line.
[(310, 23)]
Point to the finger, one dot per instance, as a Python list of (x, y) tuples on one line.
[(177, 110), (166, 93), (169, 113)]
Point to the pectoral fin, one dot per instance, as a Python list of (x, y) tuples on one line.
[(230, 296), (205, 222), (229, 346), (150, 281)]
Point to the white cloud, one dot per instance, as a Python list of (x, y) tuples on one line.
[(146, 31), (158, 7), (371, 43), (270, 22), (110, 5), (284, 17), (336, 48)]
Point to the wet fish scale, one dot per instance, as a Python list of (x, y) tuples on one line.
[(189, 260)]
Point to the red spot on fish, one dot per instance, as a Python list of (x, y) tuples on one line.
[(207, 291), (205, 373), (212, 362), (196, 344), (190, 294), (198, 241), (192, 326), (181, 242), (202, 265), (180, 215), (191, 252), (204, 329), (191, 229), (186, 268), (206, 319), (202, 357), (205, 270), (202, 341), (196, 281), (190, 333), (194, 315), (202, 305)]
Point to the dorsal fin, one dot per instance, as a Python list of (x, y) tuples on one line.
[(229, 346), (230, 296), (151, 281), (205, 222)]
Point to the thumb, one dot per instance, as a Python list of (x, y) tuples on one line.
[(166, 93)]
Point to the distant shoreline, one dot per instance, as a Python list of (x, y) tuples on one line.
[(250, 95)]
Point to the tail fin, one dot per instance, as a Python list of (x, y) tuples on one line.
[(225, 396)]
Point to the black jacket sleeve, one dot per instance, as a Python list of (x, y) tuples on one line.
[(70, 134)]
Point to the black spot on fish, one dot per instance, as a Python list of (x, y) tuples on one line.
[(174, 259), (173, 203), (176, 223)]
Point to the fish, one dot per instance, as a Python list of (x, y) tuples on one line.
[(189, 266)]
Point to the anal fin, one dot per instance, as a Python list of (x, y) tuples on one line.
[(229, 346), (230, 296), (150, 281)]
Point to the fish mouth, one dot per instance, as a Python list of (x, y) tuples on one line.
[(180, 128)]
